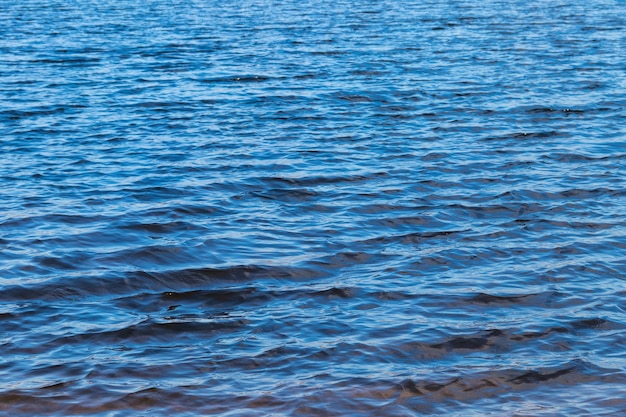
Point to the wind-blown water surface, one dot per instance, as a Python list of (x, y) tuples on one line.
[(312, 208)]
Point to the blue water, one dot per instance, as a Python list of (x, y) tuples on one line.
[(346, 208)]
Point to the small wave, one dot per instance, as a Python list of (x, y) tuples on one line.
[(142, 281)]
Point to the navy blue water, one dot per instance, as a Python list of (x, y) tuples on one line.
[(313, 208)]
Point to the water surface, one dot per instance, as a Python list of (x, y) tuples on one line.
[(337, 208)]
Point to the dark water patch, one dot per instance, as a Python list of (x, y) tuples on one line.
[(235, 274), (147, 332), (471, 388), (328, 53), (184, 210), (527, 136), (560, 196), (597, 324), (416, 238), (483, 298), (320, 181), (293, 195), (38, 112), (103, 286), (224, 298), (347, 259), (161, 228), (238, 79), (577, 158), (73, 61)]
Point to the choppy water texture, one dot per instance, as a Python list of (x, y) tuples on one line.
[(390, 208)]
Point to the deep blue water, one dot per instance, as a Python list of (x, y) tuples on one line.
[(356, 207)]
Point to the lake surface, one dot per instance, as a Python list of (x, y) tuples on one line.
[(346, 208)]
